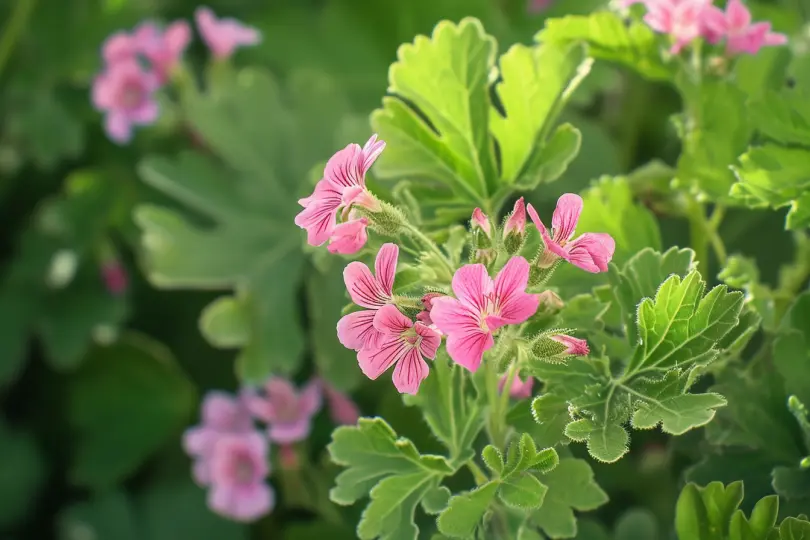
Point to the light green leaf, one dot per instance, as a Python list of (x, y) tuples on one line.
[(524, 492), (784, 116), (551, 160), (462, 515), (570, 487), (493, 459), (225, 323), (774, 176), (609, 38), (446, 77), (607, 441), (794, 529), (636, 524), (389, 515), (135, 379), (108, 515), (435, 500), (537, 81)]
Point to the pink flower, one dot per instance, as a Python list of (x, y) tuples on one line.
[(681, 19), (356, 330), (427, 301), (575, 346), (163, 49), (125, 92), (118, 47), (516, 224), (402, 343), (223, 36), (591, 251), (735, 26), (222, 415), (349, 237), (519, 389), (480, 221), (115, 277), (238, 468), (287, 412), (481, 307), (537, 6), (343, 185), (342, 409)]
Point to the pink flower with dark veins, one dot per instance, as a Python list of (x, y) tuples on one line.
[(735, 26), (481, 307), (403, 343), (349, 237), (126, 93), (591, 251), (222, 414), (238, 469), (287, 412), (356, 330), (224, 36), (343, 186)]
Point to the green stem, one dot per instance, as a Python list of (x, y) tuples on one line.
[(479, 475), (493, 425), (507, 387), (697, 233), (13, 29), (431, 246)]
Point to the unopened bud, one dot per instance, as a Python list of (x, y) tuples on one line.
[(388, 220), (557, 347), (485, 256), (481, 229), (540, 274), (550, 300), (516, 222)]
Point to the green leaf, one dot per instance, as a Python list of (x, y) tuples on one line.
[(611, 209), (784, 116), (552, 159), (135, 379), (435, 500), (108, 514), (794, 529), (524, 492), (224, 323), (537, 81), (493, 459), (607, 441), (22, 470), (454, 416), (704, 513), (454, 101), (391, 470), (609, 38), (637, 524), (464, 512), (570, 487), (774, 176)]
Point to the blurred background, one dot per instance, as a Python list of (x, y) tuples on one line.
[(115, 314)]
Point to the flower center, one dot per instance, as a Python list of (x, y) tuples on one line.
[(491, 307), (131, 95), (411, 338)]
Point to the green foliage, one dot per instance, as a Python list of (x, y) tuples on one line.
[(22, 470), (451, 147), (673, 333)]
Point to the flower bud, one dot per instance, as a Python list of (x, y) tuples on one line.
[(481, 229), (485, 256), (556, 348), (514, 230), (550, 301), (388, 220)]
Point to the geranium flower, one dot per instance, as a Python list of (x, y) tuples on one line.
[(238, 468), (356, 330), (681, 19), (481, 307), (224, 36), (402, 343), (125, 92), (741, 35), (287, 411), (591, 251)]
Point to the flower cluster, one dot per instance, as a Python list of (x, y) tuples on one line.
[(138, 63), (687, 20), (398, 331), (231, 456)]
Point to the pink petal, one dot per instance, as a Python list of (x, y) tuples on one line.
[(737, 15), (385, 267), (364, 289), (341, 169), (146, 113), (471, 283), (200, 472), (516, 223), (467, 348), (242, 503), (374, 362), (118, 46), (431, 340), (547, 240), (118, 127), (289, 432), (775, 39), (371, 151), (230, 451), (224, 412), (356, 330), (450, 316), (714, 24), (566, 215), (576, 346), (480, 220), (591, 252), (350, 237), (342, 409), (389, 320), (320, 213), (515, 305), (519, 389), (410, 372), (310, 398)]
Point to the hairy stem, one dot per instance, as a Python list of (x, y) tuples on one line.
[(431, 246)]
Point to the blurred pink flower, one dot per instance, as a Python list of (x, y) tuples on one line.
[(402, 343), (343, 184), (575, 346), (349, 237), (591, 251), (537, 6), (516, 223), (481, 307), (519, 389), (222, 414), (356, 330), (223, 36), (238, 469), (287, 411), (163, 48), (481, 221), (735, 26), (125, 92), (115, 277), (681, 19), (342, 409)]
